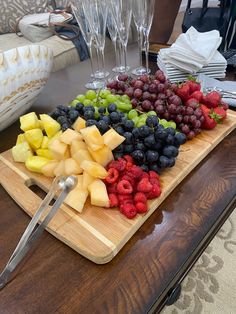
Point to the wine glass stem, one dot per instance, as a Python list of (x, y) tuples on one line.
[(125, 56), (91, 59), (140, 44), (98, 59), (115, 48), (146, 45)]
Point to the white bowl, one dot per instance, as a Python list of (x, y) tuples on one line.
[(24, 72)]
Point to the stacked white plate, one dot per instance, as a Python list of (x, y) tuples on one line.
[(216, 68)]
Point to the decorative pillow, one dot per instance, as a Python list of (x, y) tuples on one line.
[(11, 10)]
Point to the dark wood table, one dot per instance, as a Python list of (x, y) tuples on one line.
[(142, 277)]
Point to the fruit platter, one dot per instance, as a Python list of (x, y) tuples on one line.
[(129, 145)]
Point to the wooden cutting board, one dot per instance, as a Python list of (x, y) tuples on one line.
[(97, 233)]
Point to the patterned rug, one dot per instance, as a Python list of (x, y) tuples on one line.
[(210, 287)]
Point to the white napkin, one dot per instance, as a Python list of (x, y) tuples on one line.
[(193, 50)]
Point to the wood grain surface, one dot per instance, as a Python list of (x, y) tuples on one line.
[(100, 233)]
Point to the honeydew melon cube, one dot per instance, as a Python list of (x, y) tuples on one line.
[(59, 170), (72, 167), (102, 156), (112, 139), (79, 124), (87, 179), (48, 169), (76, 146), (50, 125), (45, 142), (98, 193), (21, 151), (36, 163), (44, 152), (94, 169), (69, 135), (77, 198), (92, 137), (59, 150), (34, 137), (29, 121), (56, 136), (81, 155), (20, 138)]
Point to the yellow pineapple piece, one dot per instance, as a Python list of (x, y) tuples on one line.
[(94, 169), (76, 146), (81, 155), (21, 151), (59, 170), (92, 137), (102, 156), (69, 135), (50, 125), (98, 193), (45, 142), (34, 137), (48, 169), (87, 179), (59, 150), (79, 124), (72, 167), (112, 139), (20, 138), (77, 198), (36, 163), (44, 152), (29, 121)]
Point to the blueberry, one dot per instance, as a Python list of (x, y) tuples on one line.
[(170, 131), (180, 138), (91, 122), (115, 117), (151, 156), (170, 151), (138, 156), (65, 126), (73, 114), (128, 148), (102, 110), (135, 133), (140, 146), (106, 119), (111, 108), (119, 149), (129, 137), (157, 147), (63, 108), (55, 114), (129, 125), (88, 114), (79, 107), (144, 131), (171, 162), (150, 140), (152, 121), (144, 167), (163, 162), (160, 134), (170, 139), (62, 120), (102, 126), (155, 167), (89, 108), (119, 129), (117, 155)]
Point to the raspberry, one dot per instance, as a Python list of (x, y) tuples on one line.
[(153, 174), (122, 163), (136, 171), (123, 198), (114, 202), (129, 210), (155, 191), (112, 188), (112, 176), (124, 187), (141, 207), (140, 197), (144, 186), (129, 159), (145, 175), (117, 165), (154, 181), (128, 178)]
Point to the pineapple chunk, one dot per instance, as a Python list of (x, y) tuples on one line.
[(98, 193), (44, 152), (20, 138), (36, 163), (76, 199), (34, 137), (94, 169), (79, 124), (76, 146), (59, 150), (48, 169), (29, 121), (113, 139), (92, 137), (69, 135), (45, 142), (50, 125), (59, 170), (21, 152), (82, 155), (87, 179), (102, 156), (71, 167)]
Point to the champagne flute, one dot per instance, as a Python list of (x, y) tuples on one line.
[(79, 13), (147, 23)]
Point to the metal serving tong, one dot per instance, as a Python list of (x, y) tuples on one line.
[(224, 93), (60, 184)]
